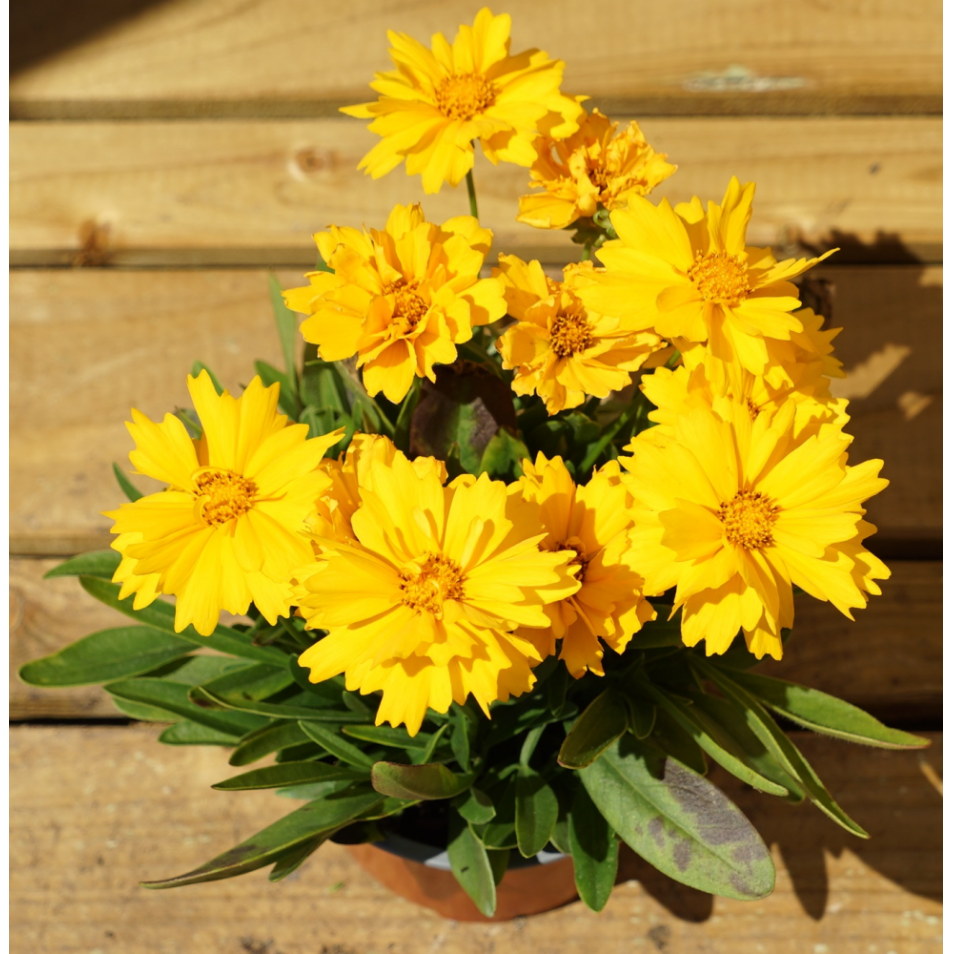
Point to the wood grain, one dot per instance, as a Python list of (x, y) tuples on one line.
[(888, 661), (91, 343), (232, 192), (95, 810), (690, 56)]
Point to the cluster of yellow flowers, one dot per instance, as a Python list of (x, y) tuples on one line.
[(430, 590)]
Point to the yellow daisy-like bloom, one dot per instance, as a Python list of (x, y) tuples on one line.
[(560, 349), (594, 521), (227, 531), (401, 299), (423, 601), (592, 169), (688, 273), (719, 385), (734, 512), (438, 101)]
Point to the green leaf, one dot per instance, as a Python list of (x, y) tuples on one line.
[(476, 806), (145, 713), (385, 735), (248, 683), (503, 456), (321, 386), (658, 634), (287, 401), (500, 831), (198, 367), (499, 859), (191, 733), (557, 686), (673, 739), (294, 859), (106, 656), (193, 670), (286, 321), (161, 615), (320, 817), (264, 741), (427, 755), (276, 710), (603, 721), (780, 746), (595, 851), (536, 812), (642, 716), (332, 742), (289, 773), (826, 714), (427, 782), (678, 821), (463, 734), (376, 418), (102, 563), (471, 866), (711, 738), (126, 485), (174, 697), (357, 705)]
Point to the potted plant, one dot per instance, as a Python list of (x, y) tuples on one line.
[(506, 547)]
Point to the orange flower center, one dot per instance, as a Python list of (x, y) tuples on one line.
[(720, 277), (570, 333), (229, 495), (748, 519), (464, 95), (426, 586), (409, 306)]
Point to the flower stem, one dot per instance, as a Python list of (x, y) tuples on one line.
[(587, 252), (472, 193)]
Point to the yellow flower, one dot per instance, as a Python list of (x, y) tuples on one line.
[(592, 520), (688, 273), (422, 602), (227, 531), (718, 385), (592, 169), (401, 299), (733, 512), (560, 349), (438, 101)]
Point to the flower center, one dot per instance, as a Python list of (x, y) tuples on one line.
[(748, 519), (570, 333), (426, 586), (464, 95), (576, 545), (720, 276), (409, 306), (229, 495)]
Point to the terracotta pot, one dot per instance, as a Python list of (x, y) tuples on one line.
[(529, 887)]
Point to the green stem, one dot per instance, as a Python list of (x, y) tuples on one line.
[(587, 252), (472, 193)]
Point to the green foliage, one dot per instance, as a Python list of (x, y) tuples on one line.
[(595, 850), (600, 725)]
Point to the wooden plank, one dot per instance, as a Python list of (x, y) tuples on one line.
[(133, 335), (94, 810), (737, 55), (887, 661), (166, 192)]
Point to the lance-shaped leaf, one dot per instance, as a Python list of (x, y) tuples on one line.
[(426, 782), (826, 714), (712, 738), (595, 851), (274, 710), (106, 656), (174, 697), (286, 321), (162, 615), (131, 491), (287, 774), (191, 733), (385, 735), (101, 563), (476, 806), (471, 866), (248, 684), (321, 817), (678, 821), (536, 812), (781, 747), (292, 860), (332, 742), (264, 741), (602, 722)]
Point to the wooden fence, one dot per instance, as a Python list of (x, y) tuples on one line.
[(165, 155)]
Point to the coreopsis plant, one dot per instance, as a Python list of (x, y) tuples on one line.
[(503, 548)]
